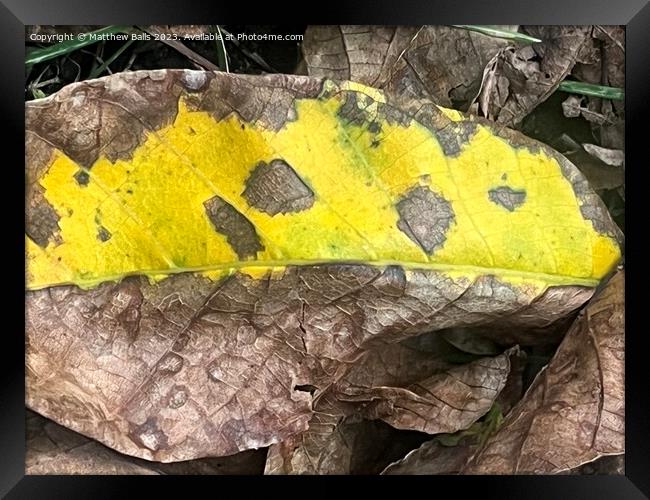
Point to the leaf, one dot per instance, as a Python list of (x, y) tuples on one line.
[(353, 446), (433, 458), (517, 80), (600, 175), (602, 62), (574, 412), (612, 157), (396, 384), (52, 449), (204, 248), (449, 453), (442, 403), (406, 60)]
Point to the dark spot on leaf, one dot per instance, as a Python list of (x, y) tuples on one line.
[(276, 188), (508, 198), (82, 178), (350, 112), (239, 231), (374, 127), (454, 136), (425, 217), (375, 143), (103, 234), (504, 177), (42, 224)]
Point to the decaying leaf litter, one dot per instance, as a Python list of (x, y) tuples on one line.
[(360, 373)]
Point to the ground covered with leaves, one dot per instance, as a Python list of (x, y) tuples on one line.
[(425, 341)]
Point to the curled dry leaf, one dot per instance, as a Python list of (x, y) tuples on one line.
[(517, 80), (404, 60), (196, 276), (450, 455), (442, 403), (602, 62), (396, 384), (574, 412)]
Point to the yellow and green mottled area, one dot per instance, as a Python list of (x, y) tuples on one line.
[(152, 204)]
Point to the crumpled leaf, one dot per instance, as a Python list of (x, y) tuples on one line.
[(185, 301), (517, 80), (406, 60), (442, 403), (574, 412), (442, 398), (353, 446), (53, 449), (602, 62), (449, 453)]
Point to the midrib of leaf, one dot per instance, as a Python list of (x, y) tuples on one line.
[(549, 279)]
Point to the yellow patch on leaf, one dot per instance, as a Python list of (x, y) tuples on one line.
[(147, 215)]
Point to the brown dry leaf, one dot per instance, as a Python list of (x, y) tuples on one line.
[(575, 409), (611, 157), (442, 403), (517, 80), (144, 338), (451, 400), (53, 449), (600, 175), (440, 63), (433, 458), (450, 455), (602, 62)]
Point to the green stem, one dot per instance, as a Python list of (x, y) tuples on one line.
[(497, 33), (592, 90)]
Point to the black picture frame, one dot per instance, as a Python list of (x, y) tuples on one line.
[(16, 14)]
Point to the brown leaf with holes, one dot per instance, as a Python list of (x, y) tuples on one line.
[(574, 412), (410, 61), (517, 80)]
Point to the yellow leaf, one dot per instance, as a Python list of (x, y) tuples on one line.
[(345, 175)]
